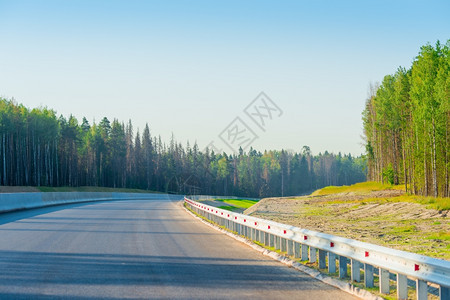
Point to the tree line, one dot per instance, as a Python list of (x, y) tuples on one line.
[(406, 125), (38, 148)]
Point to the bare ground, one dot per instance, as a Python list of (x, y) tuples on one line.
[(401, 225)]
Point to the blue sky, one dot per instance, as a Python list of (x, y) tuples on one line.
[(191, 67)]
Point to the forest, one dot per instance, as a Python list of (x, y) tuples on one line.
[(406, 125), (39, 148)]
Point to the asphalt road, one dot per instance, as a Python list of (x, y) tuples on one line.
[(137, 249)]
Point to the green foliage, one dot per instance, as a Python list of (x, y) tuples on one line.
[(407, 125), (388, 174), (37, 148)]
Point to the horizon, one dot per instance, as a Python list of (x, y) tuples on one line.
[(194, 70)]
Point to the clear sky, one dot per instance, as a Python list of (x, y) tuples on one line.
[(191, 67)]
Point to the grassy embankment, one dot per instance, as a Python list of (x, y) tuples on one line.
[(365, 187), (370, 212), (236, 204)]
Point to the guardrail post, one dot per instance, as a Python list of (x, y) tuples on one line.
[(356, 273), (296, 250), (290, 247), (368, 276), (277, 242), (342, 267), (312, 255), (266, 239), (331, 262), (444, 293), (271, 240), (283, 245), (322, 259), (421, 289), (384, 281), (402, 287), (304, 255)]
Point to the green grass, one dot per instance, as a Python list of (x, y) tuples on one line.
[(316, 210), (443, 236), (404, 229), (47, 189), (362, 187), (440, 203), (238, 203), (230, 208)]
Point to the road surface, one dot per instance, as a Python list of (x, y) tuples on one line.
[(137, 249)]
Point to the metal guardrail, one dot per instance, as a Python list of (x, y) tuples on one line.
[(327, 249)]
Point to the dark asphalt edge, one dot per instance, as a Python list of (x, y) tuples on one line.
[(344, 286)]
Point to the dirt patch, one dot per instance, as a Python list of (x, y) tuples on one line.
[(374, 217), (18, 189)]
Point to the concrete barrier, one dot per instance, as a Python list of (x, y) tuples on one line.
[(20, 201)]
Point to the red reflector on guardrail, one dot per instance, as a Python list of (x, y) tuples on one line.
[(366, 254), (416, 267), (284, 231), (305, 237), (331, 244), (268, 227), (256, 224), (235, 218), (245, 220)]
